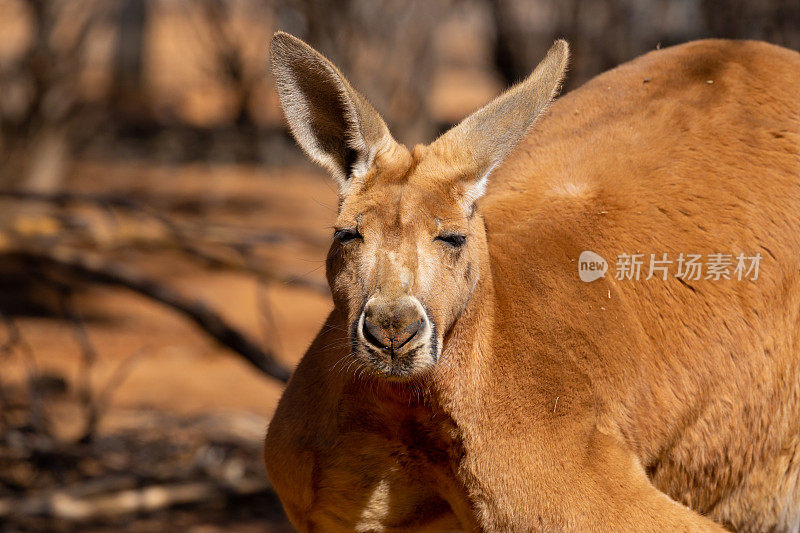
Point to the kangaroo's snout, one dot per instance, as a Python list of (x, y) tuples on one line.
[(390, 325)]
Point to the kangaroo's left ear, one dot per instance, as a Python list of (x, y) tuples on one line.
[(483, 139), (330, 120)]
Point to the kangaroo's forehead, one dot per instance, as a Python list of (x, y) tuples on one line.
[(405, 188), (401, 204)]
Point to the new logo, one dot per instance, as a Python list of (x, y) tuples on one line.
[(591, 266)]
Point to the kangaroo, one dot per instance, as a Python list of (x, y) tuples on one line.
[(468, 379)]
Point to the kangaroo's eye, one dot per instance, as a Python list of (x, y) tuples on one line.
[(455, 240), (347, 235)]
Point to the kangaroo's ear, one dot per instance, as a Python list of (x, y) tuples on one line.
[(483, 139), (331, 121)]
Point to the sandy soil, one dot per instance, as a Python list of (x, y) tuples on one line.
[(180, 372)]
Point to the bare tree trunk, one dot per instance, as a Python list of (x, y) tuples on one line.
[(385, 48), (47, 159), (776, 21), (127, 93)]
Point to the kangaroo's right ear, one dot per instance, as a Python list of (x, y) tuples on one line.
[(331, 121)]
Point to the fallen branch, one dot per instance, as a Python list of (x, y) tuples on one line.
[(66, 506), (189, 239), (219, 234), (93, 269)]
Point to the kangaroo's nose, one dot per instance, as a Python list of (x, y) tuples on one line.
[(390, 326)]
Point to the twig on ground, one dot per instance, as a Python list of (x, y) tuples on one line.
[(88, 359), (101, 402), (38, 418)]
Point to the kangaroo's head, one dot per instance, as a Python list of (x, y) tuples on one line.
[(409, 244)]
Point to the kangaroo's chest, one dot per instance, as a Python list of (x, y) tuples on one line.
[(387, 469)]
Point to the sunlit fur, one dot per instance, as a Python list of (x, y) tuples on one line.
[(550, 404)]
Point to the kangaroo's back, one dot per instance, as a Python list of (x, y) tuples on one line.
[(691, 151), (695, 126)]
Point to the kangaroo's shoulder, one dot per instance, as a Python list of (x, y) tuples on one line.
[(669, 117)]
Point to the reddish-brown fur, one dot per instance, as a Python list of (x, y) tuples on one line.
[(561, 405)]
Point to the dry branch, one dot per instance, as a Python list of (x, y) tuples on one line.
[(93, 269), (223, 234), (186, 238), (68, 506)]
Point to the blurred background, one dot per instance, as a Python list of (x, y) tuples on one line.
[(162, 240)]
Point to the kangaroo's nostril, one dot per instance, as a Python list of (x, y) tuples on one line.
[(375, 334), (407, 333)]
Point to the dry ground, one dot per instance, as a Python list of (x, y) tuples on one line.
[(181, 375)]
